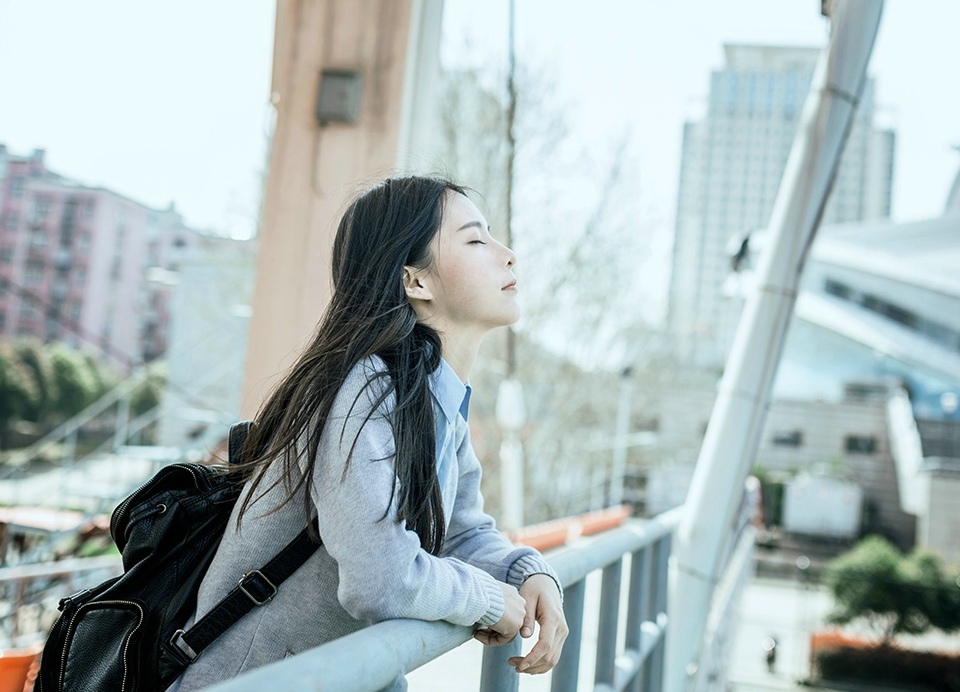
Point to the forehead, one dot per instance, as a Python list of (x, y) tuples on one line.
[(459, 210)]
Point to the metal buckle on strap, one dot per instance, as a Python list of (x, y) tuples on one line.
[(255, 578), (181, 646)]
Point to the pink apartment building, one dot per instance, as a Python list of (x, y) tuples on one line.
[(84, 265)]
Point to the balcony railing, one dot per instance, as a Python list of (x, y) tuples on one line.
[(635, 554)]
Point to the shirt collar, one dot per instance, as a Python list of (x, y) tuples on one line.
[(452, 394)]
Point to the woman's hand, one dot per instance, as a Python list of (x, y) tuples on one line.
[(543, 605), (506, 628)]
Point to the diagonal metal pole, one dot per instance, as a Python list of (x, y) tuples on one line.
[(733, 432)]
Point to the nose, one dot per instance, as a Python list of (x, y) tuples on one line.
[(511, 257)]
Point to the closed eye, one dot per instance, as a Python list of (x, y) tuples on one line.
[(476, 242)]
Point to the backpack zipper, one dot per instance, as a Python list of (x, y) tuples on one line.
[(120, 512), (126, 643)]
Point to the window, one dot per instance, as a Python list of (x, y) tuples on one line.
[(6, 254), (835, 288), (788, 438), (882, 307), (29, 309), (52, 328), (89, 208), (38, 239), (41, 208), (860, 444), (16, 186), (33, 273), (12, 221)]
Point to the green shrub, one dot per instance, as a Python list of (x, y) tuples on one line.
[(894, 594)]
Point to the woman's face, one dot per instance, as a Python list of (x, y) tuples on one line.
[(469, 285)]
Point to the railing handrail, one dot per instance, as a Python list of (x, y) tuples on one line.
[(575, 562), (382, 652), (59, 568)]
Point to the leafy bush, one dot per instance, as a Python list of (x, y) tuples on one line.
[(37, 363), (147, 394), (76, 385), (893, 593), (18, 390), (46, 383)]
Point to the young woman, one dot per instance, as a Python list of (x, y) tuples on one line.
[(368, 433)]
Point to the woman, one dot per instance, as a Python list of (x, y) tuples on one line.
[(368, 432)]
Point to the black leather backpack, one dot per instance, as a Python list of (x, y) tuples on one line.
[(125, 635)]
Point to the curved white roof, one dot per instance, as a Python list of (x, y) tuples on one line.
[(923, 253)]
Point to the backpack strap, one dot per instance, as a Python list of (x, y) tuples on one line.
[(255, 588), (238, 435)]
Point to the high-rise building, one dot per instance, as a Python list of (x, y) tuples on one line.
[(84, 265), (732, 163)]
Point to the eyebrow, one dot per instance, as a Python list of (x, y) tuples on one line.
[(470, 224)]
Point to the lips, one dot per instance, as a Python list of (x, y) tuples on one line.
[(512, 286)]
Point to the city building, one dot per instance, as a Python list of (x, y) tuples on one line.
[(868, 387), (732, 162), (209, 319), (84, 264)]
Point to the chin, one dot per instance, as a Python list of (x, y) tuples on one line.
[(512, 319)]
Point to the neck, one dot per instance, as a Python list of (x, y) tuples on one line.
[(460, 351)]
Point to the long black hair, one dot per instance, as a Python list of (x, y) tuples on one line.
[(385, 229)]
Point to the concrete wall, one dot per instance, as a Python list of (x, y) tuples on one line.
[(208, 336), (940, 528), (823, 429), (315, 170)]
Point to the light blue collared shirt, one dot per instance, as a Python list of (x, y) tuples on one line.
[(451, 400)]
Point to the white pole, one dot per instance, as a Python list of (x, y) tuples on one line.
[(620, 441), (511, 416), (733, 432)]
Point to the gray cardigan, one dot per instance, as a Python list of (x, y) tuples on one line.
[(368, 568)]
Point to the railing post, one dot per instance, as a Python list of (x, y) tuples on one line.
[(607, 632), (495, 674), (566, 674), (659, 595), (637, 607)]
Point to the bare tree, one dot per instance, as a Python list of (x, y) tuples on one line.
[(579, 234)]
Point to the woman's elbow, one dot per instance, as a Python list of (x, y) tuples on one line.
[(387, 598)]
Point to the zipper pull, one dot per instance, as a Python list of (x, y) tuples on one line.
[(70, 602)]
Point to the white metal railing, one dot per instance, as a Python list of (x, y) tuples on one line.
[(384, 652), (29, 593)]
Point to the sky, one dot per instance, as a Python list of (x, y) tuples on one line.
[(170, 101)]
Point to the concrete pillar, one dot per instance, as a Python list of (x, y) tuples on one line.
[(313, 171)]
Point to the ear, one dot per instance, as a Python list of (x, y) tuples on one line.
[(415, 285)]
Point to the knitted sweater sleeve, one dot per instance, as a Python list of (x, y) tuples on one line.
[(472, 535), (383, 571)]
